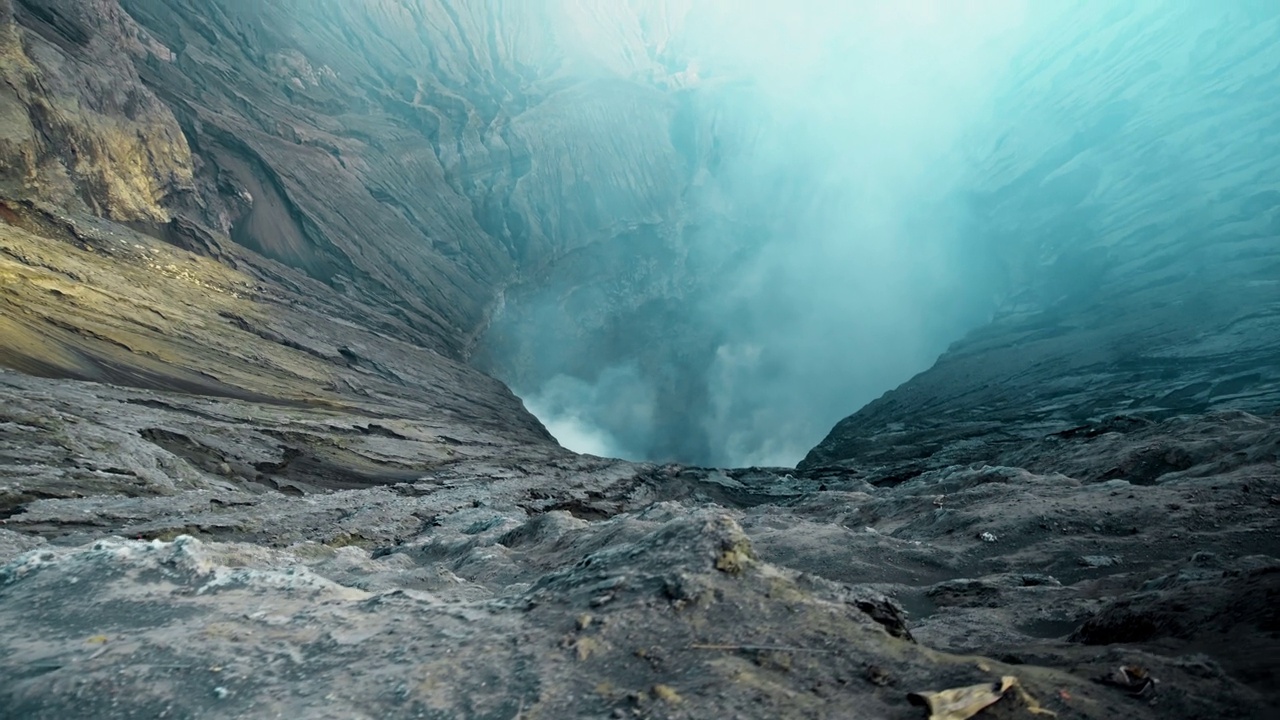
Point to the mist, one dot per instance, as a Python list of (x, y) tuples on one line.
[(828, 239), (829, 230), (867, 271), (866, 184)]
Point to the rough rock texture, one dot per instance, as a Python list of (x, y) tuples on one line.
[(96, 301), (244, 471), (1143, 269), (79, 127), (552, 585), (405, 154)]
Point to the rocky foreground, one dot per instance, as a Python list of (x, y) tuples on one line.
[(543, 584)]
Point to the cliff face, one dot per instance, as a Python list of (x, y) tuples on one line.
[(179, 216), (1116, 202), (408, 162), (408, 155), (80, 127), (388, 166), (283, 239), (1136, 219)]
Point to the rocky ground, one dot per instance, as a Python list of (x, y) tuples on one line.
[(542, 584)]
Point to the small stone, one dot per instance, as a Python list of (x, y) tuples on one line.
[(735, 559), (987, 537), (584, 647), (667, 694), (877, 675), (221, 693)]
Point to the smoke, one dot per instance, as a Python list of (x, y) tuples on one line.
[(867, 273), (611, 417), (835, 131)]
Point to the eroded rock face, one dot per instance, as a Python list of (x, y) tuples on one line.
[(343, 140), (1142, 273), (1117, 206), (80, 128)]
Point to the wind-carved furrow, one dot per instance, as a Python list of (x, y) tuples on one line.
[(273, 226)]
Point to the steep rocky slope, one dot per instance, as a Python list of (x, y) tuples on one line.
[(246, 250), (1136, 218), (341, 140)]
